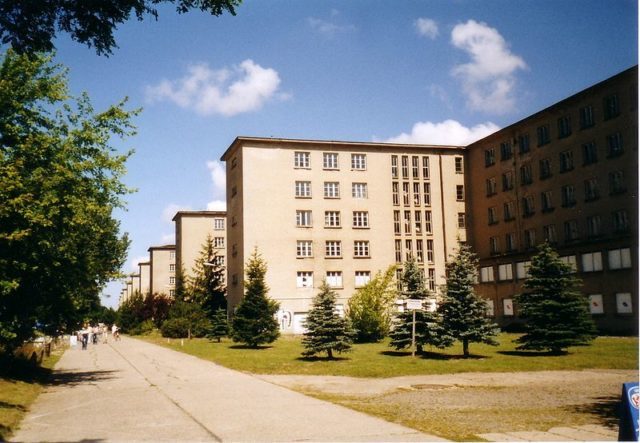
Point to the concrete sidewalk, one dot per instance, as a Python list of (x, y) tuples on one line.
[(135, 391)]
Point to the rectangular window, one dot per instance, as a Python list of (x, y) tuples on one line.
[(459, 193), (426, 194), (526, 176), (491, 187), (545, 168), (615, 147), (359, 161), (505, 272), (591, 262), (172, 280), (492, 214), (490, 312), (568, 196), (611, 107), (303, 189), (589, 153), (419, 251), (405, 166), (571, 232), (333, 248), (415, 167), (494, 247), (430, 257), (564, 127), (594, 226), (528, 206), (303, 218), (428, 229), (546, 198), (459, 165), (360, 219), (394, 166), (405, 194), (407, 222), (396, 222), (586, 117), (302, 160), (624, 304), (543, 135), (408, 249), (359, 190), (507, 181), (218, 242), (549, 233), (331, 190), (511, 242), (362, 278), (331, 219), (218, 260), (395, 193), (620, 221), (596, 306), (486, 274), (530, 238), (417, 218), (506, 151), (334, 279), (425, 168), (172, 254), (620, 258), (616, 183), (304, 248), (431, 279), (304, 279), (591, 190), (329, 160), (462, 220), (509, 211), (489, 157), (398, 250), (218, 224), (507, 306), (523, 143), (522, 269), (566, 161), (416, 194), (172, 267)]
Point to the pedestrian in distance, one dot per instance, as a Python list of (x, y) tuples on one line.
[(115, 333), (85, 337)]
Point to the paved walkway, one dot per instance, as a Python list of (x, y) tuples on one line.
[(134, 391)]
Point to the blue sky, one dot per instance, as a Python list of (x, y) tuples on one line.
[(438, 71)]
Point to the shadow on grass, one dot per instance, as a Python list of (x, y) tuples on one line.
[(6, 405), (252, 348), (533, 353), (19, 369), (606, 410), (312, 359), (429, 355)]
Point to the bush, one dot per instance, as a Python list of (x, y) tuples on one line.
[(179, 328), (144, 328)]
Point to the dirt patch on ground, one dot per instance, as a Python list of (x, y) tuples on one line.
[(461, 406)]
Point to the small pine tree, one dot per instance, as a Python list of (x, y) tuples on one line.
[(254, 321), (556, 313), (207, 285), (428, 331), (464, 314), (370, 310), (326, 330), (219, 325)]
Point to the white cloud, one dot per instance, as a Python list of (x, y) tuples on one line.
[(219, 181), (448, 132), (217, 205), (228, 92), (330, 28), (488, 79), (137, 260), (170, 211), (427, 27), (169, 239)]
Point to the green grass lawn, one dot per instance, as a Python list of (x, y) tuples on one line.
[(19, 387), (379, 360)]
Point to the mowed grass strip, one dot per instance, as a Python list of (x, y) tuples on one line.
[(19, 387), (379, 360)]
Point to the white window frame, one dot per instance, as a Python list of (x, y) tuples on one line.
[(331, 219), (486, 274), (507, 306), (361, 248), (591, 261), (304, 218), (596, 304), (218, 224), (218, 242), (359, 162), (624, 303), (360, 219), (334, 279), (331, 189), (303, 189), (522, 269), (302, 160), (333, 249), (304, 248), (304, 279), (505, 272), (619, 258), (359, 190), (330, 160), (362, 278)]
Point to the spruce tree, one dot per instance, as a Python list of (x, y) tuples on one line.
[(219, 325), (556, 313), (254, 321), (428, 331), (207, 284), (326, 330), (463, 312)]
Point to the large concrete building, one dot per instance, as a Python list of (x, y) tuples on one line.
[(340, 212), (144, 271), (568, 175), (162, 272), (192, 230)]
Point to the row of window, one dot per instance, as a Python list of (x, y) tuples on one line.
[(419, 167), (409, 222), (624, 305), (332, 219), (304, 279), (333, 249), (330, 190), (414, 249), (589, 262), (593, 228), (330, 161)]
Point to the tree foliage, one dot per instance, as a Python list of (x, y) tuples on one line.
[(186, 320), (207, 285), (31, 26), (254, 321), (428, 330), (463, 312), (370, 309), (556, 313), (60, 181), (326, 330)]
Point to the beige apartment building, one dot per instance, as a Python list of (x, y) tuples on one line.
[(567, 175), (144, 271), (192, 230), (340, 212), (162, 270)]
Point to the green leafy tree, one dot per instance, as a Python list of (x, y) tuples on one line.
[(464, 314), (31, 26), (131, 313), (370, 309), (556, 313), (156, 308), (326, 330), (428, 330), (254, 321), (207, 285), (186, 320), (60, 181)]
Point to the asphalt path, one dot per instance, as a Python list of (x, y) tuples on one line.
[(131, 390)]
